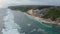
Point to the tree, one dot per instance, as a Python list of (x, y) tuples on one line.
[(52, 13)]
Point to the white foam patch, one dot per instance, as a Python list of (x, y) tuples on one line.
[(29, 24), (40, 30), (10, 26), (33, 30), (11, 31)]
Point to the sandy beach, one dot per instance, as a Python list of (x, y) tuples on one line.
[(46, 21)]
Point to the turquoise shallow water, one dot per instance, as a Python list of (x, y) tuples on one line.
[(19, 22), (50, 29), (30, 25), (45, 27)]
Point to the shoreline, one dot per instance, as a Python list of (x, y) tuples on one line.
[(43, 20)]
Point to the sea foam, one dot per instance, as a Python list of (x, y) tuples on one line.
[(10, 26)]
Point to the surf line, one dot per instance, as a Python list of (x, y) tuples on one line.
[(10, 27)]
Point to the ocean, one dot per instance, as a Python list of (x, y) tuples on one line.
[(17, 22)]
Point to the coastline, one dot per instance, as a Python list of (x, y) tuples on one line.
[(42, 19), (47, 25)]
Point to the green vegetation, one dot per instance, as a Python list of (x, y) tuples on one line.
[(25, 8), (52, 13)]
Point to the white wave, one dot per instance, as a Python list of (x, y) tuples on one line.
[(10, 26)]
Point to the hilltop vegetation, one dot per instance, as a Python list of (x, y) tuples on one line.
[(25, 8), (52, 13)]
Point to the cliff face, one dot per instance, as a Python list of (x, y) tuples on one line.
[(30, 12), (36, 12)]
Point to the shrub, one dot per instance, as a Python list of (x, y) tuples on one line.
[(52, 13)]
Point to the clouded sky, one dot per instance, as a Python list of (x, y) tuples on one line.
[(5, 3)]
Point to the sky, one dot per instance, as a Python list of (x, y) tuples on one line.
[(5, 3)]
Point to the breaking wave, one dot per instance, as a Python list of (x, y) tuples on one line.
[(10, 27)]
